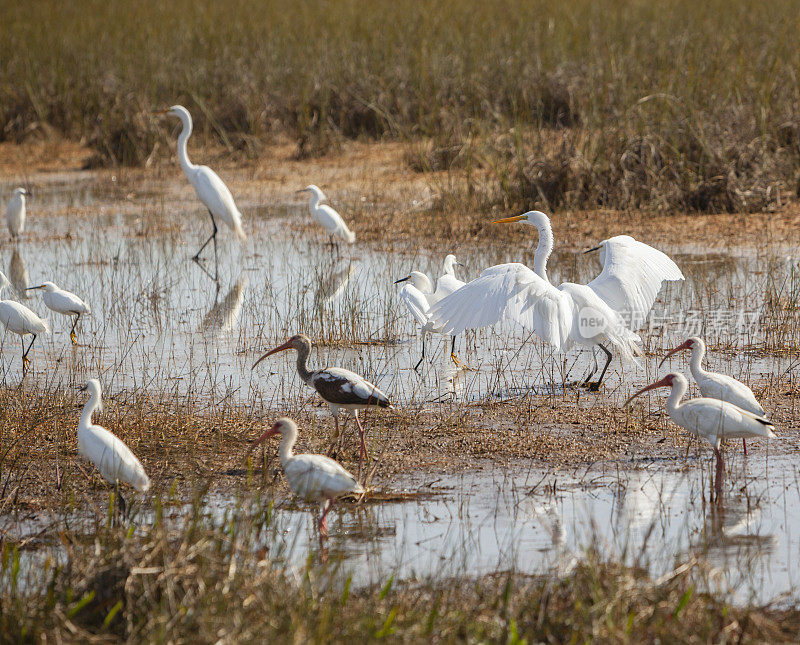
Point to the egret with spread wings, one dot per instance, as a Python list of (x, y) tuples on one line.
[(603, 312)]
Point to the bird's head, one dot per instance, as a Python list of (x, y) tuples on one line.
[(668, 381), (419, 280), (692, 343), (21, 192), (450, 264), (177, 111), (315, 191), (93, 387), (283, 427), (298, 342), (47, 286), (533, 218)]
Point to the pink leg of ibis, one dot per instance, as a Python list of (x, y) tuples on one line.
[(323, 520), (363, 444), (744, 443)]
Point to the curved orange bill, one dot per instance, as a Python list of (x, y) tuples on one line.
[(679, 348), (664, 382), (508, 220), (279, 348), (269, 433)]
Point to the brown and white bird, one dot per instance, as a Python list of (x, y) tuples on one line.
[(341, 389), (314, 478)]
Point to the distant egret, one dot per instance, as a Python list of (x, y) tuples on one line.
[(211, 190), (602, 312), (315, 478), (339, 388), (709, 419), (419, 296), (113, 458), (15, 213), (715, 385), (326, 217), (22, 321), (64, 303)]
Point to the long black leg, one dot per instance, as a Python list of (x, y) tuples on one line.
[(25, 354), (422, 358), (72, 335), (213, 238), (596, 385)]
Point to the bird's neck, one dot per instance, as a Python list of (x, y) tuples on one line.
[(286, 449), (543, 250), (674, 400), (88, 410), (183, 155), (302, 363), (696, 364), (316, 200)]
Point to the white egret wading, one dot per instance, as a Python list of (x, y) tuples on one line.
[(715, 385), (419, 296), (314, 478), (709, 419), (64, 303), (341, 389), (604, 312), (15, 213), (115, 461), (326, 217), (22, 321), (210, 189)]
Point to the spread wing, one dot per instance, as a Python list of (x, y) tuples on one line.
[(632, 276), (416, 302)]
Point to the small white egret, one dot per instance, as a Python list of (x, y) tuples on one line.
[(419, 296), (315, 478), (210, 189), (715, 385), (341, 389), (113, 458), (22, 321), (64, 303), (709, 419), (326, 217), (15, 213), (601, 312)]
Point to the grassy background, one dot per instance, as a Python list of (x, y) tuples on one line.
[(616, 103)]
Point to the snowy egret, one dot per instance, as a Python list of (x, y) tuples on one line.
[(315, 478), (15, 213), (419, 296), (715, 385), (211, 190), (341, 389), (64, 303), (22, 321), (113, 458), (709, 419), (326, 217), (602, 312)]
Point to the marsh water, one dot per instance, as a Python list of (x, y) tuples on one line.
[(160, 324)]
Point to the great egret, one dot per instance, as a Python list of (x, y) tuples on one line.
[(211, 190), (709, 419), (419, 296), (22, 321), (341, 389), (113, 458), (715, 385), (580, 314), (64, 303), (315, 478), (326, 217), (15, 213)]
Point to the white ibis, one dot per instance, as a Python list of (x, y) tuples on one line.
[(315, 478), (419, 296), (15, 213), (709, 419), (605, 311), (715, 385), (326, 216), (341, 389), (65, 303), (115, 461), (210, 189), (22, 321)]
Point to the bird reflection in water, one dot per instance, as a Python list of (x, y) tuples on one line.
[(224, 315), (18, 275)]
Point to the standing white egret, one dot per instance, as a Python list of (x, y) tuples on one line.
[(602, 312), (22, 321), (211, 190), (709, 419), (419, 296), (64, 303), (715, 385), (315, 478), (339, 388), (113, 458), (15, 213), (326, 217)]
